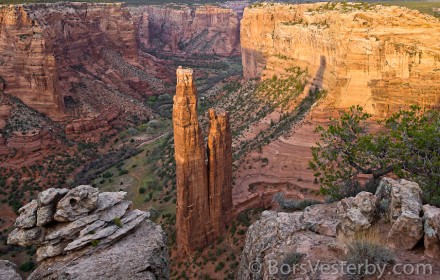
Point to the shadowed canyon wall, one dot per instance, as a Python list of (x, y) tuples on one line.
[(44, 50), (180, 29), (204, 198), (382, 58)]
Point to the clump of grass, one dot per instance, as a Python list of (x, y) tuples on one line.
[(95, 242), (117, 221), (366, 248)]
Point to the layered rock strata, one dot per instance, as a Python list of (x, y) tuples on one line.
[(180, 29), (204, 198), (79, 231), (322, 232), (383, 58), (74, 59)]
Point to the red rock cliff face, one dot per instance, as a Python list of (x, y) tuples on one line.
[(27, 67), (204, 198), (383, 58), (187, 30), (74, 59)]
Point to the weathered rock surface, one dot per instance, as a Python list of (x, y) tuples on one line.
[(357, 213), (322, 219), (312, 232), (188, 30), (51, 196), (383, 58), (8, 271), (204, 199), (277, 235), (220, 170), (431, 228), (192, 213), (92, 229), (404, 212), (28, 215), (77, 203), (141, 254)]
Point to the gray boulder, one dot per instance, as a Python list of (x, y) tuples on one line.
[(8, 271), (51, 196), (25, 237), (431, 227), (356, 213), (143, 254), (77, 203), (404, 213), (28, 215)]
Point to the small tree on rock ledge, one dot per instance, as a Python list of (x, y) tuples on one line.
[(408, 146)]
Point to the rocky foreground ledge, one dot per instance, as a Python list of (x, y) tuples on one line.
[(84, 234), (322, 232)]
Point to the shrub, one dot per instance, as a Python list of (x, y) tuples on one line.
[(27, 266), (107, 174), (292, 205), (141, 190), (363, 252), (219, 266), (95, 242), (117, 221)]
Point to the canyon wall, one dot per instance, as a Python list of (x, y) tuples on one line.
[(204, 195), (382, 58), (74, 59), (181, 29)]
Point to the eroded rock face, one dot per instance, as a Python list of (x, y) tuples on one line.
[(312, 232), (404, 212), (322, 219), (431, 227), (188, 30), (77, 203), (383, 58), (28, 215), (141, 254), (52, 55), (8, 271), (89, 231), (277, 235), (192, 214), (204, 198), (357, 213), (220, 170)]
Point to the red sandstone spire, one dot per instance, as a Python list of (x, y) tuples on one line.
[(204, 196)]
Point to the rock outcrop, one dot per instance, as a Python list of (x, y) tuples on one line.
[(8, 271), (80, 231), (320, 234), (383, 58), (357, 213), (181, 29), (431, 240), (204, 198), (404, 212)]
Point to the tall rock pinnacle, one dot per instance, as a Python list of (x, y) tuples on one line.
[(192, 212), (219, 170), (204, 197)]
